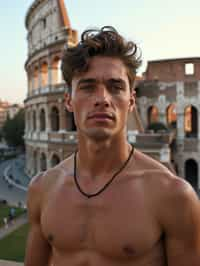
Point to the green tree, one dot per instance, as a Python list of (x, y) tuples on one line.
[(13, 130)]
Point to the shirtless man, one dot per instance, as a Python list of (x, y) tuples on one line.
[(109, 204)]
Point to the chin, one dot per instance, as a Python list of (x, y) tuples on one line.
[(99, 134)]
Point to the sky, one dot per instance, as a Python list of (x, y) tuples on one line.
[(162, 29)]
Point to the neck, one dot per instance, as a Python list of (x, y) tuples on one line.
[(102, 158)]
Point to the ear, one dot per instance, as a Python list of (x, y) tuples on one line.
[(132, 100), (68, 102)]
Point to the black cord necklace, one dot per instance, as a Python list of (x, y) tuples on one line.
[(107, 184)]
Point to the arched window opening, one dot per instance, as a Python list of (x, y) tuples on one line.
[(28, 121), (42, 120), (55, 160), (55, 70), (55, 119), (43, 162), (36, 80), (152, 114), (171, 115), (70, 123), (60, 77), (44, 74), (191, 173), (35, 162), (34, 120), (191, 122)]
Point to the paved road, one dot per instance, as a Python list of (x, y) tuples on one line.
[(12, 194)]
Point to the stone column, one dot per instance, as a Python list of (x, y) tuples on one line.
[(180, 110), (49, 72), (48, 118), (162, 109), (180, 124), (62, 116), (37, 118), (48, 158), (26, 120)]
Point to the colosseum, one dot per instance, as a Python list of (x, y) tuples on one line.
[(48, 124)]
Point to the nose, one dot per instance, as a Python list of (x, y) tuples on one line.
[(102, 96)]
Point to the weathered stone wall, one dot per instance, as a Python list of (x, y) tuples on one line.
[(172, 86), (172, 70)]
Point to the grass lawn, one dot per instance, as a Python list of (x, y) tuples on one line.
[(4, 212), (12, 247)]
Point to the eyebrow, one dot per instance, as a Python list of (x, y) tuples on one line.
[(92, 80), (121, 81), (83, 81)]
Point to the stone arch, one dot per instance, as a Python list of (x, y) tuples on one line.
[(34, 120), (28, 120), (191, 172), (42, 120), (43, 162), (152, 114), (60, 77), (191, 121), (56, 70), (36, 78), (55, 123), (35, 162), (70, 122), (29, 76), (55, 160), (44, 74), (171, 114)]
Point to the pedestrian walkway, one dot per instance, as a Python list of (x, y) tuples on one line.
[(10, 263), (12, 227)]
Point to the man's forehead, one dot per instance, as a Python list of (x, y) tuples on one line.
[(103, 68)]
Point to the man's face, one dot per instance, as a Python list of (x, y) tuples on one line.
[(101, 98)]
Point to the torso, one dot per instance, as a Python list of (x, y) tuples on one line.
[(117, 227)]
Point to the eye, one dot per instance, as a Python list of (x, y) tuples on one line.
[(116, 87), (87, 87)]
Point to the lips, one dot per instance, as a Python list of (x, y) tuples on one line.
[(101, 116)]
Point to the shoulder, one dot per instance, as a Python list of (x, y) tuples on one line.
[(146, 163), (178, 204), (34, 196), (43, 182), (35, 184)]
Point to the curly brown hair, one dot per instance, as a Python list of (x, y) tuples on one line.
[(100, 42)]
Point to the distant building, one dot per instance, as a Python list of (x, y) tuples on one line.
[(13, 109), (4, 105), (170, 94)]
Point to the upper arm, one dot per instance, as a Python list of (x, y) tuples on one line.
[(37, 249), (181, 223)]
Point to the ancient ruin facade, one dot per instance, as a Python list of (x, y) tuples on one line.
[(48, 124), (170, 94)]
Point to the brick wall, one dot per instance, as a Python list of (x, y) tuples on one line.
[(170, 70)]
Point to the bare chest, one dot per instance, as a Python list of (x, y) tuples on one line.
[(116, 223)]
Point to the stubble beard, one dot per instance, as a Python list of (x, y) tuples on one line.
[(98, 134)]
